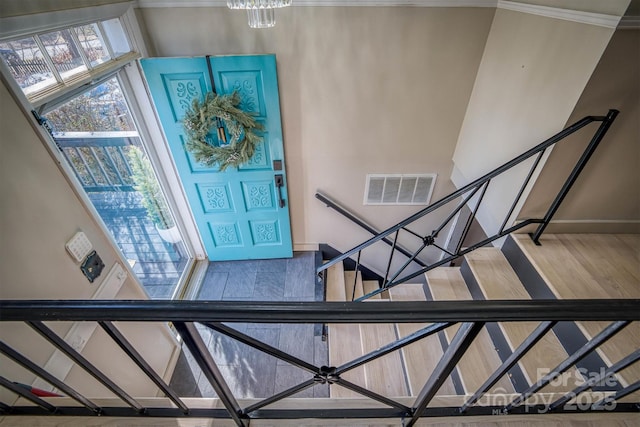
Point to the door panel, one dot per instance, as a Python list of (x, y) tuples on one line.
[(238, 212)]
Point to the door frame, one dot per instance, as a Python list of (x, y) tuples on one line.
[(146, 115)]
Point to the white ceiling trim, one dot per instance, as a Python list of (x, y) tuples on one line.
[(414, 3), (602, 20)]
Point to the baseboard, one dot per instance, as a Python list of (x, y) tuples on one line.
[(305, 247), (588, 226)]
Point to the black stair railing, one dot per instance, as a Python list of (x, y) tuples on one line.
[(220, 317), (472, 196)]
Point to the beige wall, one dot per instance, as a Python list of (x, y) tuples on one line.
[(532, 73), (606, 198), (38, 214), (362, 90)]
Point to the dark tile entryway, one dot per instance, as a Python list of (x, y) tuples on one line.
[(249, 372)]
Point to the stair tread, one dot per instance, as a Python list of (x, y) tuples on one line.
[(339, 353), (341, 333), (602, 266), (370, 286), (351, 278), (481, 359), (497, 280), (385, 374), (420, 357), (335, 283)]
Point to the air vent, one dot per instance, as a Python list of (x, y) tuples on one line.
[(395, 189)]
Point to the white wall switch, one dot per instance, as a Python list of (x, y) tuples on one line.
[(79, 246)]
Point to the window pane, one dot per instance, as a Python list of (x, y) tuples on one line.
[(102, 109), (102, 146), (64, 53), (92, 43), (116, 36), (27, 64)]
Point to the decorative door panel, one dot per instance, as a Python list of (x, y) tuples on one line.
[(238, 212)]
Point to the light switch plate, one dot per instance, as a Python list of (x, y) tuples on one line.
[(79, 246)]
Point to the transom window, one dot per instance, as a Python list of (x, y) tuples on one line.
[(50, 61)]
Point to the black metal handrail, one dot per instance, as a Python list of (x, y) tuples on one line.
[(320, 312), (471, 315), (362, 223), (465, 195)]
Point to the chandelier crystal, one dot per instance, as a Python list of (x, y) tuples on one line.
[(261, 18), (257, 4)]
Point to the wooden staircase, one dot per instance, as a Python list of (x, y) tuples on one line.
[(567, 266)]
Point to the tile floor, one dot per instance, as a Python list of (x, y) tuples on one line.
[(249, 372)]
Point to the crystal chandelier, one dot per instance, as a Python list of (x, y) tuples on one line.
[(262, 18), (261, 13), (257, 4)]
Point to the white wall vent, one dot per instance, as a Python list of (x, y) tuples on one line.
[(399, 189)]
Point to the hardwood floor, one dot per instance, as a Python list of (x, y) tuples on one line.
[(592, 266)]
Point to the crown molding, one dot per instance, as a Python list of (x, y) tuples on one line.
[(599, 19), (608, 21), (414, 3)]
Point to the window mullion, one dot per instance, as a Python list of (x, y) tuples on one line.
[(47, 59), (80, 48)]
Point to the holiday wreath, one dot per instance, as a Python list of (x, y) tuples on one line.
[(215, 111)]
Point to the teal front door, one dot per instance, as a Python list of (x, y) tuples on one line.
[(241, 213)]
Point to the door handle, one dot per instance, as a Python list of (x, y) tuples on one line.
[(279, 184)]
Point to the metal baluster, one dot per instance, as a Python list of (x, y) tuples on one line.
[(603, 336), (355, 279), (393, 248), (209, 368), (459, 345), (61, 345), (28, 364), (522, 349), (616, 367), (21, 391), (126, 346), (586, 155), (524, 185), (602, 404)]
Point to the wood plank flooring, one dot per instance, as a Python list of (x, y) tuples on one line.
[(576, 266)]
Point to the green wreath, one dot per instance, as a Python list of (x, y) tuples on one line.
[(211, 113)]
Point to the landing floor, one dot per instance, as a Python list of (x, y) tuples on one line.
[(249, 372)]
